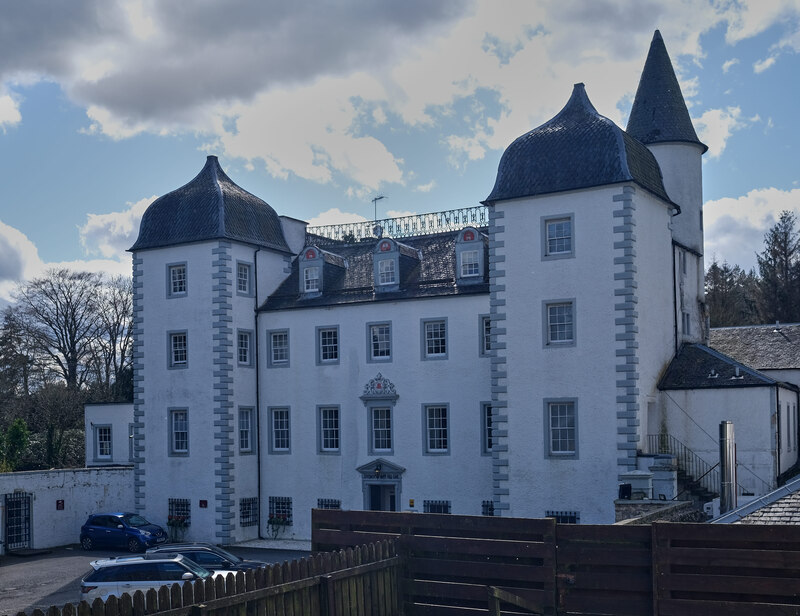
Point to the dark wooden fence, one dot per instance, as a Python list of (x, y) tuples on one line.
[(469, 565), (362, 581)]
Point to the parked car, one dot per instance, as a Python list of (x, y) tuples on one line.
[(120, 530), (127, 574), (209, 556)]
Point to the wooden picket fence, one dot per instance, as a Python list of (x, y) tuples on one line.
[(356, 580), (479, 565)]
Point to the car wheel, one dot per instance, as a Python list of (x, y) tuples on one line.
[(86, 543), (133, 545)]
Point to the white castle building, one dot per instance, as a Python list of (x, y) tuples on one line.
[(512, 363)]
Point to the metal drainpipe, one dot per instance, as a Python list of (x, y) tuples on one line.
[(258, 380), (778, 436), (727, 466), (674, 298)]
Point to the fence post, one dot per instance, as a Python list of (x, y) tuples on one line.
[(327, 601)]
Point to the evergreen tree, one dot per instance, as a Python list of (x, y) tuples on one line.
[(731, 295), (779, 268)]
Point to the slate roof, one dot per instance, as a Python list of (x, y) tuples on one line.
[(209, 207), (781, 506), (578, 148), (695, 365), (434, 275), (765, 347), (659, 113)]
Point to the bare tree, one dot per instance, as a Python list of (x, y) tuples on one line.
[(60, 313), (111, 351)]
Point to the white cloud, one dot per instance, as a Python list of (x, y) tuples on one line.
[(110, 235), (716, 126), (19, 259), (735, 226), (727, 65), (425, 188), (335, 216), (762, 65), (9, 111)]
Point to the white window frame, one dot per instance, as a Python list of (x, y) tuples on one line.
[(283, 361), (381, 340), (387, 271), (329, 429), (178, 349), (485, 335), (244, 279), (175, 280), (311, 282), (244, 352), (552, 321), (429, 351), (99, 442), (552, 231), (470, 263), (436, 428), (326, 346), (280, 427), (246, 429), (375, 426), (178, 432), (559, 431)]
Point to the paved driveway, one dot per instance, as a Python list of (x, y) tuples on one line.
[(31, 582)]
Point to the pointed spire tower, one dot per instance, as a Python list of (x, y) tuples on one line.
[(659, 119)]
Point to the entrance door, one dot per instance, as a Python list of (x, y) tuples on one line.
[(382, 498), (18, 521)]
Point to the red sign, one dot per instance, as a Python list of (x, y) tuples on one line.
[(310, 254), (469, 236), (385, 246)]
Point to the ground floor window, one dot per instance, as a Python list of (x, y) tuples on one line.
[(248, 511), (564, 517), (487, 508), (436, 506), (179, 512), (280, 510)]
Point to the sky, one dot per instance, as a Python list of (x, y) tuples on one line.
[(318, 106)]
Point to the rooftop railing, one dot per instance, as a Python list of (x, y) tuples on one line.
[(404, 226)]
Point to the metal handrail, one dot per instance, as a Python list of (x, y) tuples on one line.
[(403, 226), (697, 469)]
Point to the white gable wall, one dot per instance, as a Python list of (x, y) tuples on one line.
[(119, 419), (693, 417)]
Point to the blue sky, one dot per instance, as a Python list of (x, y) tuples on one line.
[(318, 107)]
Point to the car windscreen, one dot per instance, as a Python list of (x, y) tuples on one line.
[(135, 520), (196, 569), (231, 557)]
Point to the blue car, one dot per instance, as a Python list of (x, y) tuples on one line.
[(120, 530)]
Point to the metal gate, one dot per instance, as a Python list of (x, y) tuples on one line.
[(18, 521)]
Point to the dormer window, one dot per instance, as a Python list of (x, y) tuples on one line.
[(318, 269), (470, 256), (386, 265), (387, 273), (310, 279), (469, 264)]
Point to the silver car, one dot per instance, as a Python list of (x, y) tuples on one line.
[(127, 574)]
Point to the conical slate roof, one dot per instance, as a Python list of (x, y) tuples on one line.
[(659, 112), (209, 207), (578, 148)]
